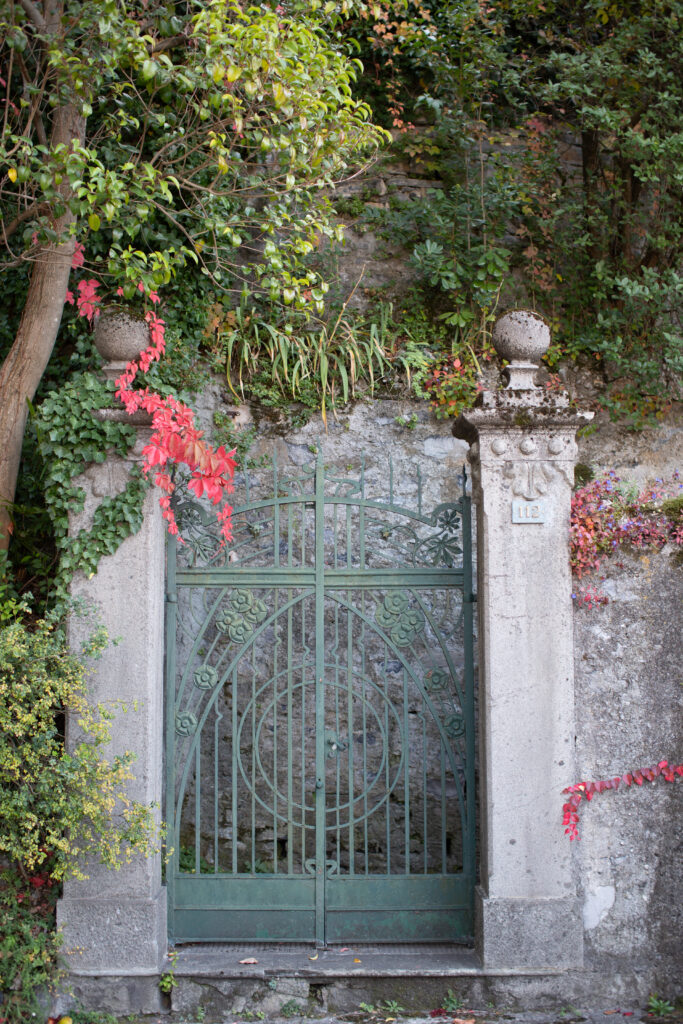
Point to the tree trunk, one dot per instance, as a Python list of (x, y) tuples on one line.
[(25, 363), (590, 161)]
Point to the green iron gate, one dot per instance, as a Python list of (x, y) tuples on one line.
[(320, 739)]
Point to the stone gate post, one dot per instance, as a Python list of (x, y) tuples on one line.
[(523, 453), (114, 922)]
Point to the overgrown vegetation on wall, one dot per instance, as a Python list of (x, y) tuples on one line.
[(553, 152), (551, 134), (55, 806), (201, 151)]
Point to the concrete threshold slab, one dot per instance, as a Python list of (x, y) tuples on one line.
[(221, 960)]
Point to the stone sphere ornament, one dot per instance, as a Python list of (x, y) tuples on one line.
[(522, 337), (120, 336)]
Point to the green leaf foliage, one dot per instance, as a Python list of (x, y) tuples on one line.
[(70, 437), (211, 131), (557, 132), (59, 804)]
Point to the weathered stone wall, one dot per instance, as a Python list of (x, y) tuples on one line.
[(628, 658), (629, 675)]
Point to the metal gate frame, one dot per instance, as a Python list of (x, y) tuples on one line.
[(320, 908)]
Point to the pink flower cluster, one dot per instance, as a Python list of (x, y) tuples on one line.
[(603, 520)]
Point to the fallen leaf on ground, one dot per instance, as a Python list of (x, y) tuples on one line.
[(249, 960), (345, 949), (356, 960), (313, 957), (440, 1011), (463, 1020)]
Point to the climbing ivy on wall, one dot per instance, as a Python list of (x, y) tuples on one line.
[(70, 438)]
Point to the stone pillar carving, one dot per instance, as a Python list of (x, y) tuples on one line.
[(523, 452), (114, 922)]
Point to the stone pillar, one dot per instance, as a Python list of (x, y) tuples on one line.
[(523, 452), (114, 922)]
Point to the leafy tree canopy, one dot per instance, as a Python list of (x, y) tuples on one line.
[(157, 135)]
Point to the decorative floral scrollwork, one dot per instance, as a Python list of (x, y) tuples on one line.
[(203, 545), (243, 614), (447, 518), (437, 680), (242, 600), (206, 677), (454, 726), (231, 622), (185, 723), (402, 623), (257, 613), (442, 548)]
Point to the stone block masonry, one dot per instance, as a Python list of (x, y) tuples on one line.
[(523, 454), (114, 922), (540, 898)]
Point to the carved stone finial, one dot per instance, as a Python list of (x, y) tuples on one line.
[(521, 336), (119, 337)]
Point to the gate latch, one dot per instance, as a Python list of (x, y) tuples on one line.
[(333, 745)]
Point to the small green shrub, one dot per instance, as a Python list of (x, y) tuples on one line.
[(292, 1009), (92, 1017), (56, 805), (320, 366), (659, 1007), (452, 1003)]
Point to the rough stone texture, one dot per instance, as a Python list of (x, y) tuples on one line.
[(113, 935), (637, 456), (545, 933), (630, 859), (629, 658), (523, 454), (539, 998), (115, 922), (119, 336), (124, 994), (521, 335)]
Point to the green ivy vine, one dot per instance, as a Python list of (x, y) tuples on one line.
[(70, 437)]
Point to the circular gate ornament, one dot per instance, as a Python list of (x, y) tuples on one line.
[(402, 623), (381, 779), (205, 678)]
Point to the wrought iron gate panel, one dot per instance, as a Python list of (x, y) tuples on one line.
[(320, 781)]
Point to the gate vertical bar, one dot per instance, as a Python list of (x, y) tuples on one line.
[(170, 810), (320, 835), (468, 599)]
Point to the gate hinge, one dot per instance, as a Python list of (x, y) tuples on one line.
[(172, 598), (470, 598)]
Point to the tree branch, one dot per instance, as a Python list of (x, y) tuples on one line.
[(34, 209), (34, 15), (169, 44)]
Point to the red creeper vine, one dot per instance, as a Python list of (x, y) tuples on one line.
[(175, 439), (590, 789)]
